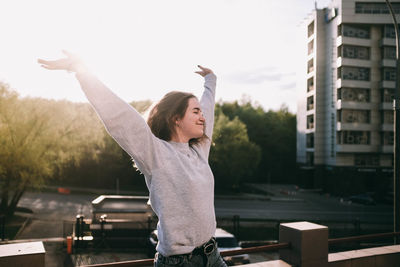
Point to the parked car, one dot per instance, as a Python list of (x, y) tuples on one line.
[(225, 240), (365, 199)]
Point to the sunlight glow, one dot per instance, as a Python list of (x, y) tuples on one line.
[(143, 49)]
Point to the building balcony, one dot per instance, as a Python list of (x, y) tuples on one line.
[(352, 41), (353, 83), (343, 61), (358, 148), (387, 127), (356, 105), (310, 74), (388, 84), (355, 126), (388, 42), (388, 63), (386, 106), (312, 130), (387, 149)]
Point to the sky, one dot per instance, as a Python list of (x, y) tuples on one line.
[(142, 49)]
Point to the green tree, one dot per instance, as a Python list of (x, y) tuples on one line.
[(27, 147), (233, 158), (37, 137), (275, 133), (100, 163)]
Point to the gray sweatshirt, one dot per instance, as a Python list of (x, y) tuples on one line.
[(178, 176)]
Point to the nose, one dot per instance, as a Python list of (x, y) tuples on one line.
[(202, 119)]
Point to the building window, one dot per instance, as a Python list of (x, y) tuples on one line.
[(354, 137), (311, 29), (310, 140), (376, 8), (356, 31), (387, 138), (310, 84), (310, 158), (310, 102), (389, 52), (311, 47), (353, 73), (366, 160), (351, 51), (387, 95), (355, 116), (310, 66), (388, 31), (354, 94), (310, 121), (387, 117), (389, 74)]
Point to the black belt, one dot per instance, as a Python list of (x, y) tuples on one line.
[(206, 249)]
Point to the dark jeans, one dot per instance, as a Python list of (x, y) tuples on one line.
[(190, 260)]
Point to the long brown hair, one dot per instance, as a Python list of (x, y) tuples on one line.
[(163, 116)]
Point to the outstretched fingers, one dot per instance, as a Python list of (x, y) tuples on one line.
[(46, 64), (53, 64), (203, 71)]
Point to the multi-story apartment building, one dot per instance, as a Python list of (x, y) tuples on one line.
[(345, 95)]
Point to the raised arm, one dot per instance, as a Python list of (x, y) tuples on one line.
[(121, 120), (207, 103)]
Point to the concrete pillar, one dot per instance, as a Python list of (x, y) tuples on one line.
[(309, 244), (29, 254)]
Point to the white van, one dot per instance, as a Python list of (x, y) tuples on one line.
[(227, 241)]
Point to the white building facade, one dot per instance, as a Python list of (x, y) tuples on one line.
[(345, 92)]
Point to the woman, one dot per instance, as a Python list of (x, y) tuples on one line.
[(171, 150)]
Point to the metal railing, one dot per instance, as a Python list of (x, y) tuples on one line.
[(362, 238), (266, 248)]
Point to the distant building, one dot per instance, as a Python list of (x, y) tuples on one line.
[(345, 94)]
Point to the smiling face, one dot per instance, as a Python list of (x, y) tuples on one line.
[(192, 124)]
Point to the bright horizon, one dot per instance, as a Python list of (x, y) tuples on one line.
[(144, 49)]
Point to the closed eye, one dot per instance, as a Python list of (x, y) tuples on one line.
[(196, 110)]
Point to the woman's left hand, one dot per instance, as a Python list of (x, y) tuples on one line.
[(69, 63), (203, 71)]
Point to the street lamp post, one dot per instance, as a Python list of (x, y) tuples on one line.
[(396, 106)]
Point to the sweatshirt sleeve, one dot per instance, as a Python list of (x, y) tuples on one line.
[(122, 122), (207, 103)]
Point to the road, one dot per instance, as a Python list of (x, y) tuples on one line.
[(53, 208), (56, 207), (304, 210)]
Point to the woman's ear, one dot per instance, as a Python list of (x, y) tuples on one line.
[(176, 121)]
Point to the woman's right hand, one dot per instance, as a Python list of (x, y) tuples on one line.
[(203, 71), (70, 63)]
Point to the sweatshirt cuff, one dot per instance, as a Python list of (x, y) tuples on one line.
[(210, 81), (210, 77)]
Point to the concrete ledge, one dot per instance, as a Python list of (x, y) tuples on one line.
[(277, 263), (30, 254), (370, 257)]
